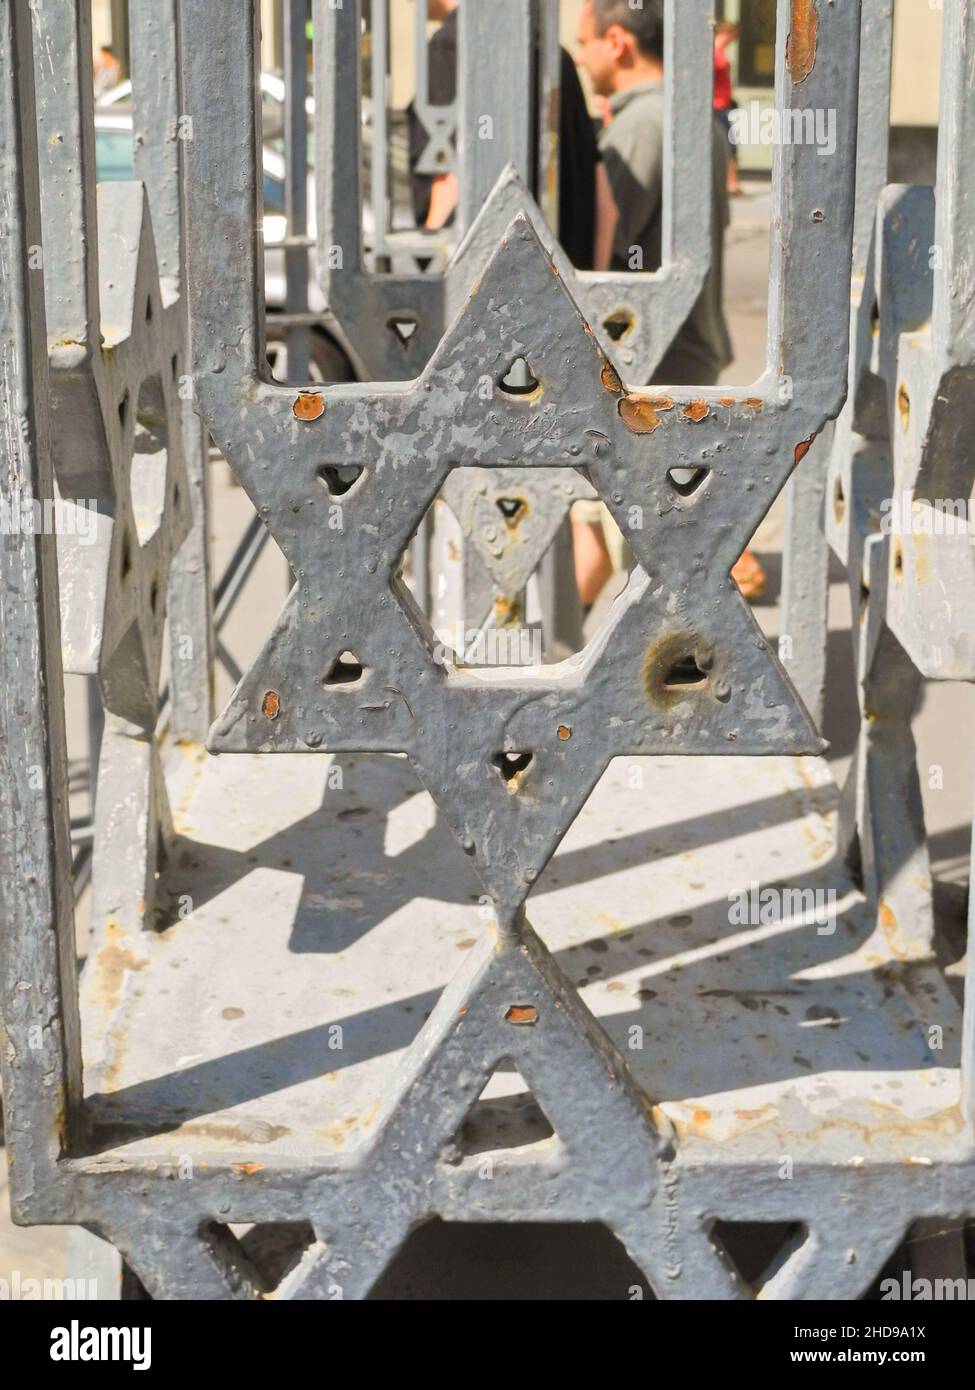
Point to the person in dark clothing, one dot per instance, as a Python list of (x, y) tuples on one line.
[(578, 162), (441, 91), (435, 196)]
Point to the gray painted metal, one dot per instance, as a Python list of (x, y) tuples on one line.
[(906, 363), (342, 476), (881, 817), (117, 333), (41, 1050)]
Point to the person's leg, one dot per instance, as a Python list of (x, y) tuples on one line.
[(594, 566), (734, 182)]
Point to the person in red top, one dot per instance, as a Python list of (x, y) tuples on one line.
[(724, 98)]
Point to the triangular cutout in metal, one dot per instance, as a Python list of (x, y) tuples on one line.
[(339, 481), (403, 327), (509, 1118), (346, 669), (757, 1250), (519, 379)]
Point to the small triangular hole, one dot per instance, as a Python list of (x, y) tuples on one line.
[(346, 669), (686, 481), (757, 1250), (258, 1258), (618, 324), (505, 1115), (519, 379), (512, 768), (685, 674), (512, 509), (403, 327), (339, 481)]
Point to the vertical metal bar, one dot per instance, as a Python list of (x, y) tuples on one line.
[(160, 134), (873, 143), (338, 157), (549, 110), (953, 311), (495, 84), (379, 167), (190, 599), (805, 572), (811, 210), (223, 214), (66, 150), (296, 184), (156, 132), (41, 1056), (562, 616)]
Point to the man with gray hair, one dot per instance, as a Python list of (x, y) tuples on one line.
[(621, 46)]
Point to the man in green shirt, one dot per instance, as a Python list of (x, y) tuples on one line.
[(621, 47)]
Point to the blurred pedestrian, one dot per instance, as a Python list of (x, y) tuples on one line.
[(106, 71), (724, 97), (435, 196), (622, 50)]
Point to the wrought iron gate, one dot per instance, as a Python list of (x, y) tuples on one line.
[(226, 1083)]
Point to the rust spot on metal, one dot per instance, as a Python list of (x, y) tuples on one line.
[(523, 1015), (697, 411), (641, 414), (564, 732), (904, 405), (111, 963), (753, 403), (271, 704), (922, 559), (611, 378), (309, 406), (339, 1132), (248, 1169), (803, 447), (729, 401), (800, 49), (507, 611)]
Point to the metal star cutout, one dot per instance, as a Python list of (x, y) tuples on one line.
[(510, 756)]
